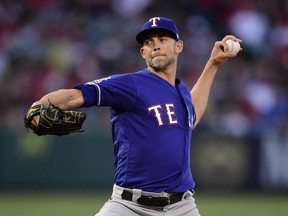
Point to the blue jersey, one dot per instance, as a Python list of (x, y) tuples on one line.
[(151, 127)]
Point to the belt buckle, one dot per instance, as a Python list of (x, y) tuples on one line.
[(154, 201), (164, 200)]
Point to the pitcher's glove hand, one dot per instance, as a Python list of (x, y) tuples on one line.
[(54, 121)]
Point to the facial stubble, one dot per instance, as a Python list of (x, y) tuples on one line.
[(160, 64)]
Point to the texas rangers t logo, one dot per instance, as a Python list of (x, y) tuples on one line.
[(153, 20)]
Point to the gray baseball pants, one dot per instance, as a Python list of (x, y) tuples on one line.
[(116, 206)]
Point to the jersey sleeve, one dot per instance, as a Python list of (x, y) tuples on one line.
[(117, 91)]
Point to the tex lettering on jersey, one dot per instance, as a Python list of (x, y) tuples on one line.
[(169, 111)]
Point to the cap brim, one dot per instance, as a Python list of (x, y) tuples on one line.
[(141, 35)]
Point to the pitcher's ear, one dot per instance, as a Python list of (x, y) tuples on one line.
[(179, 46), (142, 52)]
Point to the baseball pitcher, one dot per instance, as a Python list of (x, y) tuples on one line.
[(153, 115)]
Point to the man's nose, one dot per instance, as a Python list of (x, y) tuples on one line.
[(156, 45)]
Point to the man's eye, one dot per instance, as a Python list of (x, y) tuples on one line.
[(147, 42)]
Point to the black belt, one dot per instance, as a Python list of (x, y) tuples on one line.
[(153, 201)]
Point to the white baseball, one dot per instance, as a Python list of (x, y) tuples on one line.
[(233, 46)]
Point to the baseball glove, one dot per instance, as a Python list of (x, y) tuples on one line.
[(54, 121)]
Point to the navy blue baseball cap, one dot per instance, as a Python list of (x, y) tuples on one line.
[(158, 23)]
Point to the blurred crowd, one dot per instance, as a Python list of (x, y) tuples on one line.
[(50, 44)]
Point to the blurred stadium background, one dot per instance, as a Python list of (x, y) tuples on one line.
[(240, 149)]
